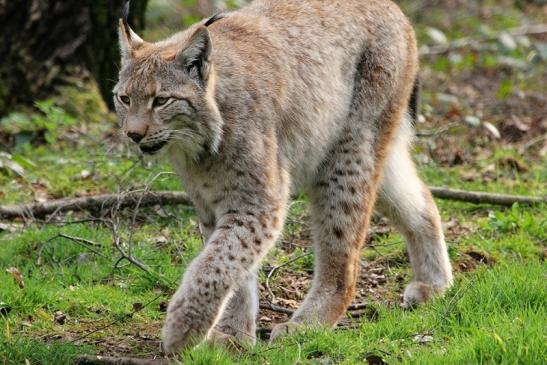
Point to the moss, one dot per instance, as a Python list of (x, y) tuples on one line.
[(83, 101)]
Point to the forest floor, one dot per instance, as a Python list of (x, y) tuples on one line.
[(65, 292)]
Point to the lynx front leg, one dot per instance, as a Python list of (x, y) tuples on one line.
[(238, 321), (341, 205), (240, 240)]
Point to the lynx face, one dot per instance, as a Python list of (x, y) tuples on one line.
[(163, 96)]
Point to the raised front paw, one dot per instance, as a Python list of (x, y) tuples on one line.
[(284, 329), (185, 326)]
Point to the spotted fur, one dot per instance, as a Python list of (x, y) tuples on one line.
[(277, 98)]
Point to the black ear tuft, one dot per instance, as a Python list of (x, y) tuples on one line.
[(213, 19), (125, 11), (125, 17)]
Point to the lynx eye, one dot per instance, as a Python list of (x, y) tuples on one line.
[(159, 101), (125, 99)]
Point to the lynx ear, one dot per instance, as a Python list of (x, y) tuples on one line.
[(195, 57), (129, 40)]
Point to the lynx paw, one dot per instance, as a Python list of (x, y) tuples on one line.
[(284, 329), (184, 326), (418, 292), (229, 342)]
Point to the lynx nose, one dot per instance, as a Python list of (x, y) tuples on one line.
[(136, 137)]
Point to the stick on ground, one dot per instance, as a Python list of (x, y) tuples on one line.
[(110, 360), (105, 201), (477, 197), (94, 203)]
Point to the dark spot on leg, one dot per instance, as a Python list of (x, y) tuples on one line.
[(346, 207), (338, 232)]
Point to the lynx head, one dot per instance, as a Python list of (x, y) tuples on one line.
[(164, 95)]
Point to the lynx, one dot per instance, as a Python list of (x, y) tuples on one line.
[(277, 98)]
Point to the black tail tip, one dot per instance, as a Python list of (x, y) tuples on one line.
[(414, 102)]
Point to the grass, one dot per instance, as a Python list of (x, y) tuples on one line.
[(494, 314)]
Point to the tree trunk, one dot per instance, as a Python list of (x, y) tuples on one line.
[(46, 42)]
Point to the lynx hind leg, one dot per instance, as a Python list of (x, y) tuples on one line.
[(405, 199), (238, 321), (340, 203)]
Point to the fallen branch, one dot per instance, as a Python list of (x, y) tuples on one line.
[(110, 360), (105, 201), (536, 29), (94, 202), (476, 197)]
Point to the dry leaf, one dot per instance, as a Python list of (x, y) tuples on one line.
[(17, 276), (423, 338), (59, 317)]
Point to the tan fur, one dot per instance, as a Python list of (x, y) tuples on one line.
[(280, 97)]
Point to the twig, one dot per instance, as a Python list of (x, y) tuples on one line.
[(276, 308), (97, 202), (536, 29), (476, 197), (279, 309), (120, 318), (88, 244), (94, 202), (110, 360), (433, 133), (116, 238), (275, 268), (358, 306)]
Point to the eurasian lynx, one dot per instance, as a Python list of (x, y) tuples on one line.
[(280, 97)]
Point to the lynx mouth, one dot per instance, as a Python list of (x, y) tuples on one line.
[(151, 149)]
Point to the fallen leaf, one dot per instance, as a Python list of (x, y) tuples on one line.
[(17, 276), (514, 164), (492, 129), (507, 41), (59, 317), (436, 35), (422, 338)]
